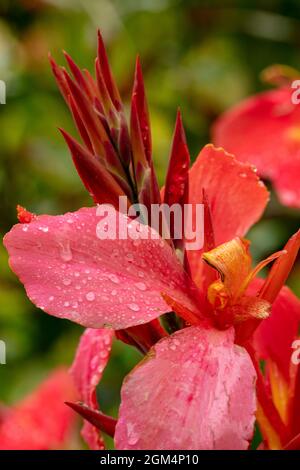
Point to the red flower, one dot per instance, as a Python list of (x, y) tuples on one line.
[(264, 130), (196, 389), (41, 421)]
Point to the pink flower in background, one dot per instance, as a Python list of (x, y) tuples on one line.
[(196, 387), (41, 421), (264, 130)]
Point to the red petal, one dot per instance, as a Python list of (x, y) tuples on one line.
[(236, 195), (177, 176), (41, 421), (274, 337), (107, 74), (281, 269), (97, 180), (99, 420), (78, 75), (24, 216), (72, 270), (139, 96), (196, 390), (264, 130)]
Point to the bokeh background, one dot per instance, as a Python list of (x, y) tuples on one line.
[(203, 56)]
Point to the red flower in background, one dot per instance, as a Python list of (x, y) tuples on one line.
[(196, 388), (40, 421), (265, 130)]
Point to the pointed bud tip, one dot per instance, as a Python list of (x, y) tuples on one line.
[(23, 215)]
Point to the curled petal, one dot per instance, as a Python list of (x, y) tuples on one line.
[(72, 270), (233, 261), (91, 359), (196, 390)]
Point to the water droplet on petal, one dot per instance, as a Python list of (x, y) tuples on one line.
[(114, 278), (67, 282), (90, 296), (141, 286), (134, 307), (65, 251)]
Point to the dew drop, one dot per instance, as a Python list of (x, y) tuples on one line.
[(114, 278), (67, 282), (129, 257), (66, 304), (90, 296), (141, 286), (134, 307), (65, 251)]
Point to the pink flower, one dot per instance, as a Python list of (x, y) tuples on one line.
[(41, 421), (196, 387), (264, 130)]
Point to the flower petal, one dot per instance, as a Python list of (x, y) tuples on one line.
[(91, 358), (233, 261), (71, 273), (41, 421), (236, 196), (196, 390), (270, 123), (274, 337)]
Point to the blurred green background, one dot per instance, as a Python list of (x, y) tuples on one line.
[(201, 56)]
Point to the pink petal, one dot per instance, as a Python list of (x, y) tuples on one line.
[(196, 390), (41, 421), (91, 358), (270, 122), (236, 196), (70, 273)]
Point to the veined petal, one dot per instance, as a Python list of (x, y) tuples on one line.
[(41, 421), (196, 390), (271, 123), (91, 358), (236, 196), (70, 272)]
